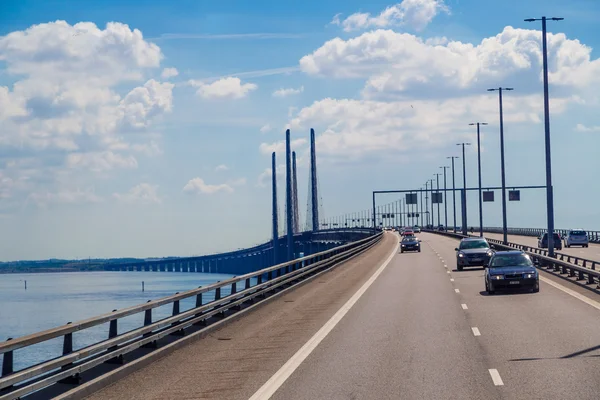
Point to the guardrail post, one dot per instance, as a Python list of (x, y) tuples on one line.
[(68, 348), (218, 294), (113, 332), (247, 283), (234, 287), (148, 321), (7, 362), (176, 311)]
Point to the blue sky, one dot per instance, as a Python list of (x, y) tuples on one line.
[(111, 140)]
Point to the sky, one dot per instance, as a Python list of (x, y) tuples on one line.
[(143, 129)]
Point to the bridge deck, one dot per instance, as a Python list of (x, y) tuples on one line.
[(408, 337), (234, 362)]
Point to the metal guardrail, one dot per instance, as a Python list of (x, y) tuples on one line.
[(68, 367), (594, 236), (584, 262), (591, 276)]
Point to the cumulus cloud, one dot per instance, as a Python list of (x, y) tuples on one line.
[(169, 73), (279, 147), (401, 64), (288, 92), (149, 149), (197, 186), (221, 167), (416, 14), (66, 102), (265, 128), (144, 193), (583, 128), (237, 182), (354, 129), (224, 88)]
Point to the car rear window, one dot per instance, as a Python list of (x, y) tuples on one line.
[(577, 233), (512, 260), (474, 244)]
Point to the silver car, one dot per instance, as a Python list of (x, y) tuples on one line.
[(577, 237)]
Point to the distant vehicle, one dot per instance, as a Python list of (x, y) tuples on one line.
[(543, 241), (511, 269), (577, 237), (441, 228), (416, 229), (408, 232), (473, 252), (410, 243)]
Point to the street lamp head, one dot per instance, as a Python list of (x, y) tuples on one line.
[(509, 88), (491, 90), (556, 19), (530, 20)]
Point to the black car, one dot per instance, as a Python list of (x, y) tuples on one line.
[(543, 241), (410, 243), (511, 269), (473, 252)]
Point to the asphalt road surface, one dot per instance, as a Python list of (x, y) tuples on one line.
[(421, 330)]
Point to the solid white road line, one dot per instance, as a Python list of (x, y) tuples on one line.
[(496, 377), (464, 307), (276, 381), (457, 291), (573, 293), (476, 331)]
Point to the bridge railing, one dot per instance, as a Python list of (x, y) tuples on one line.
[(540, 256), (594, 236), (241, 290)]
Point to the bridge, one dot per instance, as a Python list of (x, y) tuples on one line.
[(337, 313)]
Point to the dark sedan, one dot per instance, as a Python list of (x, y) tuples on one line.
[(473, 252), (410, 243), (511, 269)]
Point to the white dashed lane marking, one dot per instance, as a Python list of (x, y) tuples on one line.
[(476, 331), (457, 291), (496, 377), (464, 307)]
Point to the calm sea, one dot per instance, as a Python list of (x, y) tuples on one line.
[(53, 299)]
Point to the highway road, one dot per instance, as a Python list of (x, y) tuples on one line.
[(590, 253), (415, 328)]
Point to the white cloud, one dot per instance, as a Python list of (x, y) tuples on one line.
[(400, 64), (414, 13), (221, 167), (353, 129), (223, 88), (43, 199), (66, 103), (143, 193), (169, 73), (100, 161), (197, 185), (583, 128), (265, 128), (288, 92), (279, 147)]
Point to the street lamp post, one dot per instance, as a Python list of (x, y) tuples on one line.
[(421, 208), (431, 188), (549, 189), (464, 194), (437, 178), (453, 191), (504, 227), (445, 200), (479, 169)]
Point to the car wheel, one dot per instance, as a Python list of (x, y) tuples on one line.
[(459, 267), (536, 288), (401, 251), (419, 250), (489, 290)]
